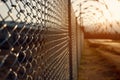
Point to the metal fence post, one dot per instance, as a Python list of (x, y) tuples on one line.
[(70, 40), (77, 48)]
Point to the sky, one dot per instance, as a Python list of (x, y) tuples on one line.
[(98, 15), (4, 10)]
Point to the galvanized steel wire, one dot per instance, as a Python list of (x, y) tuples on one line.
[(34, 40)]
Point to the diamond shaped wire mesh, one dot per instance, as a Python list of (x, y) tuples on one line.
[(34, 40)]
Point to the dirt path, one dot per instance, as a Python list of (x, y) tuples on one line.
[(94, 67)]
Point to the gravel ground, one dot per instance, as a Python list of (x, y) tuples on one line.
[(95, 67)]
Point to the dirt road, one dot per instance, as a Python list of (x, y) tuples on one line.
[(95, 67)]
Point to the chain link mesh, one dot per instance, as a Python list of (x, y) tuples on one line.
[(34, 40)]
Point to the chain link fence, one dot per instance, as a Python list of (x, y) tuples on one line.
[(34, 40)]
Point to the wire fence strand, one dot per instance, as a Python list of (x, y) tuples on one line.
[(34, 40)]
